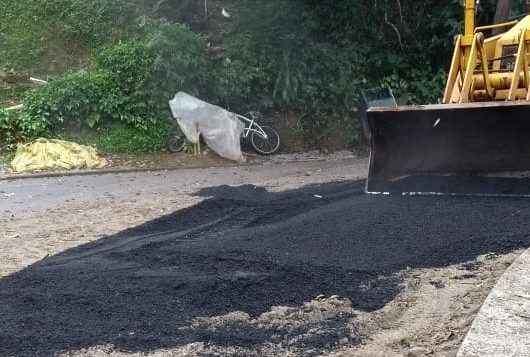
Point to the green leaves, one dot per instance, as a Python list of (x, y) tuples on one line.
[(308, 57), (67, 101), (16, 127), (129, 87), (180, 62), (128, 64)]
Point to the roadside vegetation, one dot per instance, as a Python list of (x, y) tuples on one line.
[(112, 65)]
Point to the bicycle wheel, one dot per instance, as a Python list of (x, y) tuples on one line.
[(176, 142), (266, 146)]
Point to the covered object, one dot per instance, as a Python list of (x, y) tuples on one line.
[(220, 129)]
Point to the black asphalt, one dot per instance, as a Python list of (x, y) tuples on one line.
[(472, 184), (247, 249)]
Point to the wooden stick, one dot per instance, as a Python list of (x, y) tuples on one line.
[(38, 81), (15, 107)]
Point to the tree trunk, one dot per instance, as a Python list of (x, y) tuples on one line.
[(502, 13)]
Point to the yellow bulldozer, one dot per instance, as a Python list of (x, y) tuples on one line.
[(477, 141)]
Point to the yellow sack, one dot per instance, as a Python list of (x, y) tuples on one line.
[(45, 154)]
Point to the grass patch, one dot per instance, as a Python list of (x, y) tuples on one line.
[(130, 140), (122, 139)]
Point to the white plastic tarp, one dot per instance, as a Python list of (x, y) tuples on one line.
[(220, 129)]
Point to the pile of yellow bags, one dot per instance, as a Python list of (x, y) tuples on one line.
[(45, 154)]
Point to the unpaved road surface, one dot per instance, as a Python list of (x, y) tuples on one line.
[(281, 259)]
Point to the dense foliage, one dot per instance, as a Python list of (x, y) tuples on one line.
[(10, 130), (118, 62), (125, 92), (315, 57)]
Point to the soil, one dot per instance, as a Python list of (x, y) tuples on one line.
[(279, 259), (173, 161)]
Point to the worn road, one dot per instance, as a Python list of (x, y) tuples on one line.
[(284, 259), (24, 196)]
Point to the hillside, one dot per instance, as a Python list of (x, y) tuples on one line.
[(302, 62)]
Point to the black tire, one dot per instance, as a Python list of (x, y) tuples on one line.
[(265, 146), (176, 143)]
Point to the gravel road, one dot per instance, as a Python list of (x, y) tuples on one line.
[(283, 259)]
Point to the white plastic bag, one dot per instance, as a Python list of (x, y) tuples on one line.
[(220, 129)]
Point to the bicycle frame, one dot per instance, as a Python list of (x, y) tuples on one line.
[(252, 127)]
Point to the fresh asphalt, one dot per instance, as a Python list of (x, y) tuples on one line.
[(244, 248)]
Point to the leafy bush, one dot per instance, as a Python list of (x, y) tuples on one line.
[(315, 57), (94, 100), (74, 100), (112, 93), (242, 81), (275, 61), (16, 127), (306, 57), (128, 66), (149, 73), (180, 62), (8, 129), (126, 94)]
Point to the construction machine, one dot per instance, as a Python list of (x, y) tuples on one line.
[(477, 141)]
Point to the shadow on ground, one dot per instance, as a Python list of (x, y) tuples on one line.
[(244, 249)]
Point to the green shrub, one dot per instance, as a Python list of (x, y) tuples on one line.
[(306, 57), (72, 101), (114, 92), (16, 127), (129, 66), (311, 58), (180, 62), (8, 130), (87, 100), (242, 80), (125, 96), (149, 73)]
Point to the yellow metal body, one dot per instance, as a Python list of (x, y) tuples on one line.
[(490, 69), (480, 130)]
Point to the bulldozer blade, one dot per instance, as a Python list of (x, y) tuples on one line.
[(461, 149)]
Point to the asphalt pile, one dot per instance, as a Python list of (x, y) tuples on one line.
[(206, 273)]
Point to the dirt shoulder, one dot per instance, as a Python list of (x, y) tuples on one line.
[(297, 262), (123, 163)]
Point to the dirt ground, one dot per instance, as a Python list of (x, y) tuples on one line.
[(279, 259), (172, 161)]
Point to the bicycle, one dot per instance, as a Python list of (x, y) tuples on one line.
[(264, 139)]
